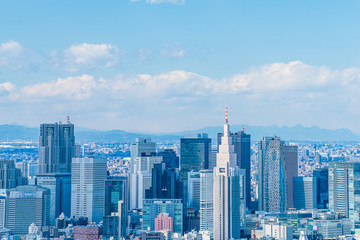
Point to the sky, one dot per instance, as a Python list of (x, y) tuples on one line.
[(162, 66)]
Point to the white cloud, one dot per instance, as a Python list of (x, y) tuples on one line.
[(6, 88), (178, 2), (77, 88), (88, 56), (286, 93), (10, 54)]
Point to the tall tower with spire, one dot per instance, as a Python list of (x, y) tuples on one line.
[(229, 191)]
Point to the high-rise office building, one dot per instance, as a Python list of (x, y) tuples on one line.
[(59, 185), (229, 191), (165, 183), (242, 144), (2, 211), (142, 147), (114, 225), (277, 165), (10, 176), (207, 201), (170, 158), (322, 175), (141, 178), (115, 191), (26, 205), (153, 207), (344, 191), (305, 196), (194, 153), (88, 178), (56, 148), (194, 190)]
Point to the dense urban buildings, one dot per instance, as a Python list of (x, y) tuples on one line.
[(189, 189)]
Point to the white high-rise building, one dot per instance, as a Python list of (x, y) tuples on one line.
[(142, 147), (88, 188), (229, 191), (207, 201), (141, 178)]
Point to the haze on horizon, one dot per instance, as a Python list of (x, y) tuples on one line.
[(167, 65)]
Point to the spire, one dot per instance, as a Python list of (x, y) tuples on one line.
[(226, 115), (226, 125)]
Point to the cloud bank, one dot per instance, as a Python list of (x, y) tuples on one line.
[(294, 91)]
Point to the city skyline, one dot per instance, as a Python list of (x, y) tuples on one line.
[(122, 62)]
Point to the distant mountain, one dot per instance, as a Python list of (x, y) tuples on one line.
[(295, 133), (14, 132)]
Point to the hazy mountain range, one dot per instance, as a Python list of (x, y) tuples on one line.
[(295, 133)]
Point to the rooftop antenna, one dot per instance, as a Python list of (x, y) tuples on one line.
[(226, 115), (68, 120)]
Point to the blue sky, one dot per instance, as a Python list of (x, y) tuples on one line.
[(167, 65)]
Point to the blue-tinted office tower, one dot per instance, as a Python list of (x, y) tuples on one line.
[(114, 225), (170, 158), (306, 192), (59, 185), (165, 183), (115, 191), (242, 144), (322, 175), (10, 176), (195, 152)]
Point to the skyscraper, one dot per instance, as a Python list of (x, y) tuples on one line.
[(207, 201), (114, 225), (141, 178), (322, 176), (26, 205), (277, 165), (229, 191), (115, 191), (59, 185), (344, 191), (242, 144), (170, 158), (194, 190), (88, 188), (10, 176), (56, 148), (194, 153), (305, 196), (165, 183), (143, 151)]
